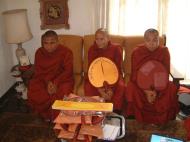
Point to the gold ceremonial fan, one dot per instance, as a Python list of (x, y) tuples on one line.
[(102, 69)]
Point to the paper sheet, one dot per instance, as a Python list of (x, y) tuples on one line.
[(110, 132)]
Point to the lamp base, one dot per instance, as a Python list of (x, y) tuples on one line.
[(20, 52)]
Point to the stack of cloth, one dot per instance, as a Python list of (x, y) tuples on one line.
[(80, 118)]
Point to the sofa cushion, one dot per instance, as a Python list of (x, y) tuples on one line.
[(88, 41), (75, 43)]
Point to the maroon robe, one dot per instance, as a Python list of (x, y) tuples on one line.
[(56, 67), (165, 106), (114, 53)]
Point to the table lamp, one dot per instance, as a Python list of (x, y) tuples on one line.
[(17, 29)]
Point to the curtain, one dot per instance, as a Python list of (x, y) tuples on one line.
[(100, 14), (132, 17), (178, 39), (170, 17)]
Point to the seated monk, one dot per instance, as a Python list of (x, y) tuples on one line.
[(151, 105), (102, 47), (53, 75)]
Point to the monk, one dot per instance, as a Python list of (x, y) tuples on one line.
[(149, 105), (53, 75), (103, 47)]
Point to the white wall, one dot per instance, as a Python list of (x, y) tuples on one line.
[(80, 20), (6, 59)]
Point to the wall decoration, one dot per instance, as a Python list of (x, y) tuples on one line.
[(54, 14)]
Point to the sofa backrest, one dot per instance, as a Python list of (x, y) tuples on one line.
[(80, 46), (89, 40), (130, 43), (75, 43)]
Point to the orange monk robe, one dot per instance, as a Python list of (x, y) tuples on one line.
[(114, 53), (165, 106), (56, 67)]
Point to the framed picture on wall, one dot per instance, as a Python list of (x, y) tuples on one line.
[(54, 14)]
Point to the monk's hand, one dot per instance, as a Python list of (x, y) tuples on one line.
[(105, 93), (150, 95), (52, 88), (109, 93), (101, 92)]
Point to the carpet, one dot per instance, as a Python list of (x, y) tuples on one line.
[(142, 132), (21, 127), (29, 133), (26, 127)]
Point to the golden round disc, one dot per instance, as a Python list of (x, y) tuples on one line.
[(102, 69)]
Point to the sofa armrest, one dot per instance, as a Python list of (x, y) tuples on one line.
[(176, 80)]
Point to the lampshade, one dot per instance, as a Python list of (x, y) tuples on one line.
[(16, 26)]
